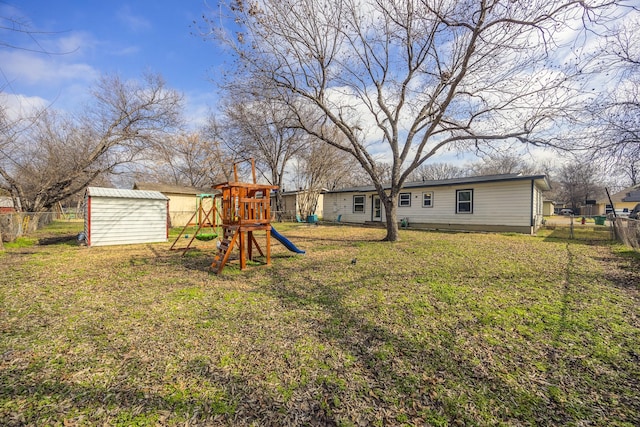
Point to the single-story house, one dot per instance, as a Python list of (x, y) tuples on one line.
[(182, 200), (498, 203), (117, 217), (293, 202), (623, 200)]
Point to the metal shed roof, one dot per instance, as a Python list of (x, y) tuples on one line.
[(125, 194)]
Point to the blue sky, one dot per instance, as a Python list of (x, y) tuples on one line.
[(86, 38)]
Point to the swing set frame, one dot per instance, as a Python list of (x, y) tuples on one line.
[(203, 217)]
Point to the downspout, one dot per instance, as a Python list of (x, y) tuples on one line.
[(88, 231), (168, 220), (533, 222)]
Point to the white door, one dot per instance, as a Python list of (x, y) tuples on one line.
[(376, 212)]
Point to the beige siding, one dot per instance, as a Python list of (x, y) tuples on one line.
[(548, 208), (291, 207), (496, 205), (181, 208), (500, 203), (336, 204)]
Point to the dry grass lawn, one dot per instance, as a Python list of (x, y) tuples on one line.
[(440, 329)]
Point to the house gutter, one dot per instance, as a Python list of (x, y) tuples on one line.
[(533, 187)]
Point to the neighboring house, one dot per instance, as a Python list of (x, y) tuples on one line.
[(623, 201), (502, 203), (548, 208), (182, 200), (6, 205), (119, 217), (293, 201)]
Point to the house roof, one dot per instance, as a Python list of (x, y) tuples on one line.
[(124, 194), (541, 180), (6, 202), (166, 188), (630, 194)]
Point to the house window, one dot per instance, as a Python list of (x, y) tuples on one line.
[(404, 200), (427, 199), (464, 201), (358, 204)]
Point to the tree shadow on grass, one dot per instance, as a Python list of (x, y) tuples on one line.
[(29, 398), (426, 378), (68, 240)]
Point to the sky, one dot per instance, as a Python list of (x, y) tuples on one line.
[(73, 42)]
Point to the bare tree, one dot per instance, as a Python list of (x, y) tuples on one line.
[(437, 171), (614, 125), (500, 164), (629, 168), (318, 167), (263, 130), (56, 156), (579, 182), (186, 159), (17, 33), (411, 77)]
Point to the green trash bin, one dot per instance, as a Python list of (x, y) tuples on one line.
[(599, 219)]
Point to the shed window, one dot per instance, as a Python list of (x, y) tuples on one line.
[(464, 201), (404, 200), (427, 199), (358, 204)]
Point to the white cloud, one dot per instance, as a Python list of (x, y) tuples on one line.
[(18, 106), (35, 69), (133, 22), (126, 51)]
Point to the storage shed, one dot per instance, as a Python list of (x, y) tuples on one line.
[(119, 217)]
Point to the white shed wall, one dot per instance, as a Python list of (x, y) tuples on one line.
[(120, 221)]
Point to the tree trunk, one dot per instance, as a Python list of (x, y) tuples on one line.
[(392, 220), (279, 204)]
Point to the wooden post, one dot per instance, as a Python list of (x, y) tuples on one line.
[(243, 253), (268, 245)]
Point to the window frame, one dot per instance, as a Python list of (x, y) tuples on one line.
[(469, 202), (430, 194), (408, 199), (362, 204)]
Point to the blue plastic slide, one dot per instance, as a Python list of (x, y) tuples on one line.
[(286, 242)]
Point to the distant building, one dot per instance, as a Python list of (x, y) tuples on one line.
[(623, 201), (548, 208), (6, 205), (292, 202), (182, 200)]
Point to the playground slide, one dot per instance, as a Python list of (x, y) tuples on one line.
[(286, 242)]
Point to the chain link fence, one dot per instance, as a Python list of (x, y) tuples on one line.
[(17, 224)]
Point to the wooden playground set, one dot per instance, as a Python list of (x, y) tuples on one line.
[(233, 213)]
